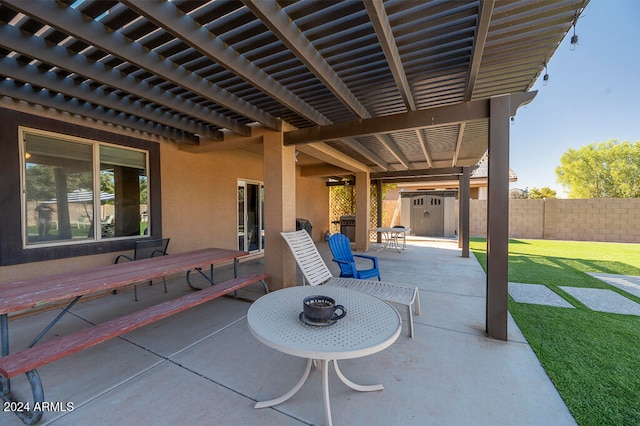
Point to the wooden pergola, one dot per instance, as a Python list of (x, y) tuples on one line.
[(383, 89)]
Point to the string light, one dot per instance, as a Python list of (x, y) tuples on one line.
[(545, 78), (574, 38)]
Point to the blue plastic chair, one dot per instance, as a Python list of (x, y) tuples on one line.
[(342, 255)]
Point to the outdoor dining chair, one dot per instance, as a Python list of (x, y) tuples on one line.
[(401, 236), (145, 249), (316, 272), (341, 249)]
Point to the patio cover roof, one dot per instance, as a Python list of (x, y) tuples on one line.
[(394, 87)]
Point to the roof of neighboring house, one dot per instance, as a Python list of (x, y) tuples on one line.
[(482, 171)]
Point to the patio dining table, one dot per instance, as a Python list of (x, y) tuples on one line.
[(369, 326), (390, 238)]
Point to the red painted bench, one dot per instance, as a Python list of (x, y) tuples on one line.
[(28, 360)]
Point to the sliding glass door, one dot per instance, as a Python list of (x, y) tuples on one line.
[(250, 216)]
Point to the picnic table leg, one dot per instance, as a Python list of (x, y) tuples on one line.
[(34, 378), (30, 416), (208, 278), (5, 384), (54, 322)]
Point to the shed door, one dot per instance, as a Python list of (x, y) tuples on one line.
[(419, 215), (427, 216)]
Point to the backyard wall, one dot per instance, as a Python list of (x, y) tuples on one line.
[(605, 219)]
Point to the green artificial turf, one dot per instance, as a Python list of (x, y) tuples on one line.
[(593, 358)]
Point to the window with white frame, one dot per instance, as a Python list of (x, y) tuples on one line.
[(61, 177)]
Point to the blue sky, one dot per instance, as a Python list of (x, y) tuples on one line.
[(593, 94)]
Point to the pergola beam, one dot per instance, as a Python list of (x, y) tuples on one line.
[(96, 34), (357, 147), (278, 22), (431, 117), (411, 120), (458, 144), (166, 15), (330, 155), (386, 141), (276, 19), (482, 30), (35, 47), (424, 173), (323, 171), (424, 146), (33, 95), (380, 21), (97, 96)]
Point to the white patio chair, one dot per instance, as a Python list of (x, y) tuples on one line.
[(315, 272)]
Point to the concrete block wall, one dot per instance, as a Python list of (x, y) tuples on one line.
[(606, 219), (526, 218), (478, 218)]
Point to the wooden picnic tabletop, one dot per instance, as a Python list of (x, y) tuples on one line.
[(35, 292)]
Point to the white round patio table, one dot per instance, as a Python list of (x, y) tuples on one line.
[(370, 325)]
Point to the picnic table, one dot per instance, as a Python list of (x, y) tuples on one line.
[(71, 286)]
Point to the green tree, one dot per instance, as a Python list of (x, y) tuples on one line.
[(605, 170), (544, 192), (41, 183)]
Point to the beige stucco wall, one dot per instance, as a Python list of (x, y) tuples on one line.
[(607, 219), (199, 206), (312, 203), (199, 195)]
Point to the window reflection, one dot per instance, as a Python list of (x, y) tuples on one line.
[(59, 181)]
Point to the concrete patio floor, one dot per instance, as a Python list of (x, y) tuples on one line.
[(203, 367)]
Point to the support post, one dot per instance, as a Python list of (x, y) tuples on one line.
[(363, 207), (498, 218), (463, 211), (379, 209), (279, 209)]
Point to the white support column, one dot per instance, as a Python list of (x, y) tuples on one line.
[(363, 210), (279, 209)]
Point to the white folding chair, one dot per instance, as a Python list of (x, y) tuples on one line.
[(316, 272)]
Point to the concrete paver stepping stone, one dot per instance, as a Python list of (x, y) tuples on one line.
[(628, 283), (603, 300), (536, 294)]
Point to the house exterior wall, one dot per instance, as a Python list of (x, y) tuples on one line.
[(312, 203), (199, 195), (199, 206), (605, 219)]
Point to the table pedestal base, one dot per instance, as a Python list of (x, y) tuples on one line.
[(325, 388), (390, 240)]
